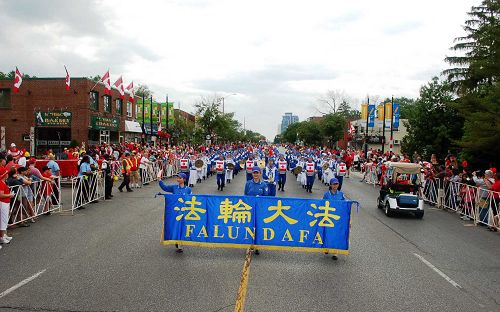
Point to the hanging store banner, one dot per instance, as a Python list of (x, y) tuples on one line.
[(271, 223), (104, 123), (53, 119)]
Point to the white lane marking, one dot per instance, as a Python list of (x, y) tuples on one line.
[(438, 271), (22, 283)]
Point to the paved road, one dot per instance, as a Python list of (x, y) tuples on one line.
[(108, 258)]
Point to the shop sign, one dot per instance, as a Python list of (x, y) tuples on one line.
[(52, 142), (104, 123), (53, 119)]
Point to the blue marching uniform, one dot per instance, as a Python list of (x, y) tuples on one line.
[(282, 166), (338, 195), (175, 189), (253, 188), (220, 168), (270, 174)]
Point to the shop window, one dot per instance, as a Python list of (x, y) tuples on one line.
[(119, 104), (129, 109), (4, 98), (107, 104), (94, 100)]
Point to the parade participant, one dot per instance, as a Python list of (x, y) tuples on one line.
[(220, 169), (193, 172), (249, 164), (21, 162), (256, 187), (5, 197), (310, 174), (334, 193), (126, 169), (184, 166), (108, 177), (178, 189), (229, 172), (282, 165), (341, 170), (269, 175)]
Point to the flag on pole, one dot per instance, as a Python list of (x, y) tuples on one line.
[(68, 79), (107, 83), (119, 84), (18, 80), (131, 93), (351, 129)]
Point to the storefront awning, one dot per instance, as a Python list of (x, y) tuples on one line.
[(132, 126)]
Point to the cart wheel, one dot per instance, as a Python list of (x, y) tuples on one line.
[(388, 210), (379, 203)]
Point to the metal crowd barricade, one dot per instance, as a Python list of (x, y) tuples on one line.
[(478, 204), (86, 189), (31, 201)]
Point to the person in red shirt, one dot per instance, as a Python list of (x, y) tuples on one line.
[(5, 196), (496, 202)]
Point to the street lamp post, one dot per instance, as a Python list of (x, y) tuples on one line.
[(222, 98)]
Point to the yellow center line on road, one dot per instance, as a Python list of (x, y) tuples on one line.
[(242, 291)]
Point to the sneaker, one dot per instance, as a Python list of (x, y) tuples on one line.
[(9, 238), (3, 240), (334, 257), (0, 247)]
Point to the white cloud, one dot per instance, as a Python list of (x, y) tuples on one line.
[(278, 56)]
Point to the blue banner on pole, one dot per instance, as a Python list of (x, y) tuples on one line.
[(371, 116), (396, 113), (272, 223)]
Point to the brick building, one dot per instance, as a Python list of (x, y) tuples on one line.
[(44, 115)]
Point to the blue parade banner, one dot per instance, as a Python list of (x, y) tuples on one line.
[(396, 113), (267, 223), (371, 116)]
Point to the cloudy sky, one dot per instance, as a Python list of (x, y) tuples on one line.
[(277, 56)]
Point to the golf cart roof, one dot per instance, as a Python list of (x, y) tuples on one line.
[(408, 168)]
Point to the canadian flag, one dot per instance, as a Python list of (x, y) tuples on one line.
[(119, 84), (131, 93), (68, 79), (107, 83), (18, 80)]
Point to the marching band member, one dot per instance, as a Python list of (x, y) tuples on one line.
[(229, 172), (193, 174), (310, 173), (341, 171), (334, 193), (249, 164), (184, 166), (270, 175), (206, 162), (220, 168), (282, 164)]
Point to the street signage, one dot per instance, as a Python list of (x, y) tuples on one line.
[(104, 123), (53, 119)]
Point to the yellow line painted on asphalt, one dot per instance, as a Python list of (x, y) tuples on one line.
[(242, 291)]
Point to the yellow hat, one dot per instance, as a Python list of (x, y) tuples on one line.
[(27, 154)]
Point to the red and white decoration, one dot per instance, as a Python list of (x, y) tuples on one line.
[(119, 85), (219, 166), (107, 83), (68, 79), (131, 92), (18, 80), (351, 129), (282, 166)]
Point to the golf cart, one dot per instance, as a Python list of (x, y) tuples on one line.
[(400, 191)]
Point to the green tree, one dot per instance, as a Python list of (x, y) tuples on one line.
[(332, 127), (345, 110), (309, 132), (10, 75), (475, 77), (434, 125), (290, 134), (143, 90)]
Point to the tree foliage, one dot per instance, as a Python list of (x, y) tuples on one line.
[(475, 77), (10, 75), (328, 130), (433, 124)]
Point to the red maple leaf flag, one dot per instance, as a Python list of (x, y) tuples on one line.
[(119, 85), (18, 80), (131, 93), (68, 79), (107, 83)]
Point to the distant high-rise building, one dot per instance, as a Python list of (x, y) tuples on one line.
[(287, 120)]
